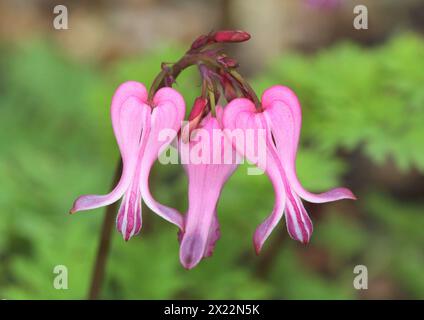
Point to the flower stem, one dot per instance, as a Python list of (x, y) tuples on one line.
[(104, 245), (247, 88), (174, 70), (212, 102)]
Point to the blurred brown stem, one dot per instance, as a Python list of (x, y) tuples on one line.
[(103, 250)]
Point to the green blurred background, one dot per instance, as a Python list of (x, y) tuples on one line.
[(363, 105)]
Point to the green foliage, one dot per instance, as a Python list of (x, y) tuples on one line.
[(400, 229), (353, 98), (57, 143)]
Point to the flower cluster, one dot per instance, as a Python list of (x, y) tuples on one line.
[(145, 123)]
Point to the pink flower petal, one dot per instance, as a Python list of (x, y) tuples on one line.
[(213, 236), (124, 128), (205, 182), (128, 220), (299, 225), (129, 118), (283, 113), (241, 114), (168, 112)]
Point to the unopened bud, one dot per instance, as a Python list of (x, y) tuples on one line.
[(200, 42), (230, 36), (194, 118), (230, 92), (198, 107)]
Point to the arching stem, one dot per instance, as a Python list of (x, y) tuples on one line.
[(104, 244)]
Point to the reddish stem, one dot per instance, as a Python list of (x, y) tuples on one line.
[(104, 245)]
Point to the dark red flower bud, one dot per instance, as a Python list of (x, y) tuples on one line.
[(194, 118), (230, 36), (230, 92), (200, 42), (198, 107)]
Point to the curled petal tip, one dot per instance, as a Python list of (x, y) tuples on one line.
[(191, 251), (74, 208), (188, 265), (258, 242), (329, 196), (188, 261), (346, 194), (258, 248), (352, 196)]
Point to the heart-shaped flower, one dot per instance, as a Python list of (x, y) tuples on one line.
[(280, 118), (137, 125)]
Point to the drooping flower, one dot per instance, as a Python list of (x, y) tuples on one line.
[(281, 119), (208, 165), (137, 125)]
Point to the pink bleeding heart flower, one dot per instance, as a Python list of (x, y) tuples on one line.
[(208, 165), (281, 121), (137, 125)]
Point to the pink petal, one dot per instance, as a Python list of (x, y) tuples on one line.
[(213, 236), (299, 225), (263, 231), (205, 182), (129, 118), (241, 114), (128, 220), (283, 113), (121, 117), (168, 112)]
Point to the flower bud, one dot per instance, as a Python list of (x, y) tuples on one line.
[(230, 36), (200, 42), (198, 107), (194, 118), (230, 92)]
